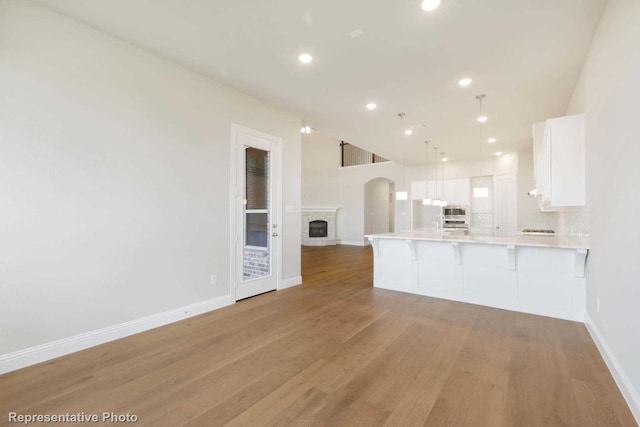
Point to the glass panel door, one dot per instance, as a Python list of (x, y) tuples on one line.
[(257, 214)]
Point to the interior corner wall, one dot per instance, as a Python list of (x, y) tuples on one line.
[(608, 92), (115, 172)]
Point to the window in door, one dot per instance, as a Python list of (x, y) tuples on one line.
[(257, 260)]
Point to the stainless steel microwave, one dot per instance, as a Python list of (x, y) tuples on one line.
[(457, 211)]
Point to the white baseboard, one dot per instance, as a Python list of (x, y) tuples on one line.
[(40, 353), (349, 243), (622, 380), (290, 282)]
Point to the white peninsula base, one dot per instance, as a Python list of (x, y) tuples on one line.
[(544, 276)]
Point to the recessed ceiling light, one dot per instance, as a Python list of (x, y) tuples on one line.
[(465, 82), (444, 159), (498, 153), (305, 58), (491, 140), (429, 5), (408, 132), (482, 119), (372, 106)]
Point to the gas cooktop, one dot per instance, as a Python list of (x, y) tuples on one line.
[(537, 232)]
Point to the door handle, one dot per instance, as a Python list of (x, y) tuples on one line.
[(275, 234)]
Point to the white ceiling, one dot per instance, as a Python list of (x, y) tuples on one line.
[(524, 55)]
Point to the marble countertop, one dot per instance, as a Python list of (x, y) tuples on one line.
[(566, 242)]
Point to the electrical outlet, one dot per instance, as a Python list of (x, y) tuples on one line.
[(214, 279), (598, 305)]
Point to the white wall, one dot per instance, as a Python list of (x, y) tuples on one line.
[(608, 92), (377, 211), (114, 171), (352, 209), (320, 170)]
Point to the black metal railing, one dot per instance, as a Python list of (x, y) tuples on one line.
[(355, 156)]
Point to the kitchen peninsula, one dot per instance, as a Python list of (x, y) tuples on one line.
[(542, 275)]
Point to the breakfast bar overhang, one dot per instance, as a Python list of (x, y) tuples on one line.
[(541, 275)]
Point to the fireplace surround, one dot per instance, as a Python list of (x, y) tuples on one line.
[(319, 226)]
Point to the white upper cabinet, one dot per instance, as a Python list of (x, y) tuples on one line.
[(559, 162), (456, 191), (538, 148)]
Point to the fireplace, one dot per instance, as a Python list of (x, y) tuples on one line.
[(318, 228)]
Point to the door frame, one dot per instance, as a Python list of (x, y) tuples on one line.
[(236, 207)]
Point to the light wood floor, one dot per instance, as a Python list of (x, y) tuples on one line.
[(336, 351)]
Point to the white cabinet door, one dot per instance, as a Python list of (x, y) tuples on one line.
[(506, 204), (566, 141), (417, 190), (482, 204), (481, 217), (538, 148), (559, 163), (456, 191), (544, 182)]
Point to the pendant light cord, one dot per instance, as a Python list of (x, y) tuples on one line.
[(401, 115), (435, 152), (442, 174), (480, 98), (426, 172)]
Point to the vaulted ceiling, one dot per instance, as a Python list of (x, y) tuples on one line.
[(524, 55)]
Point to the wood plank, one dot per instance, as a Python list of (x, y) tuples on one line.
[(336, 351)]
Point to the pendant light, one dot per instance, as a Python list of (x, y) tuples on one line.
[(444, 201), (426, 201), (436, 201), (481, 117), (481, 191), (402, 194)]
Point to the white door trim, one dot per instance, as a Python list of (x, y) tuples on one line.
[(236, 207)]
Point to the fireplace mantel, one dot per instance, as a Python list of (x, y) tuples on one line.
[(313, 209)]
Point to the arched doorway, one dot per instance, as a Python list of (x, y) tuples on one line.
[(379, 213)]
